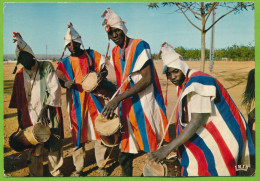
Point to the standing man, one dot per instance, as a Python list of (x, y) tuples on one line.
[(213, 138), (83, 107), (141, 107), (37, 97)]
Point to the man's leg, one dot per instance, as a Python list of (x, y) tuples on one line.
[(36, 161), (100, 151), (78, 156), (126, 163), (55, 162)]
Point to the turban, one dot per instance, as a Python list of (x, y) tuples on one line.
[(111, 19), (21, 45), (172, 59), (72, 35)]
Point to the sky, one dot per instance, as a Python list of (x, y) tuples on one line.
[(45, 25)]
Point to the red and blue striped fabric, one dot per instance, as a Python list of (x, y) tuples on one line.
[(143, 115), (224, 142), (83, 107)]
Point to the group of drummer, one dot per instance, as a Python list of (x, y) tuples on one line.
[(137, 100)]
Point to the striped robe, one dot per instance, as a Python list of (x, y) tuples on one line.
[(223, 142), (143, 115), (83, 107)]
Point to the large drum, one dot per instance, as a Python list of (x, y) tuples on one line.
[(168, 167), (29, 137), (108, 130), (103, 87)]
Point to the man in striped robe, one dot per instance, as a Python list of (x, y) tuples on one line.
[(83, 107), (141, 106), (213, 138)]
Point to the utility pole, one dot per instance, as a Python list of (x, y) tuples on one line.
[(46, 51), (211, 55)]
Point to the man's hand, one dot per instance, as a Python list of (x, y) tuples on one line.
[(43, 117), (102, 74), (159, 154), (109, 109), (68, 84)]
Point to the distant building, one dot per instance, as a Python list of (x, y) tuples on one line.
[(227, 59)]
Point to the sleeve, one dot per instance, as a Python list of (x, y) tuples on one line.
[(102, 62), (143, 54), (13, 101), (111, 60), (99, 61), (54, 89), (198, 103)]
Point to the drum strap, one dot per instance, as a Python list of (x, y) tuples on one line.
[(120, 87), (178, 100)]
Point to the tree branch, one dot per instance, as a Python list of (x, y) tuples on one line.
[(224, 16), (210, 10), (187, 17), (194, 12)]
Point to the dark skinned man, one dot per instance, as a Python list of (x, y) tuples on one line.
[(83, 106), (140, 103), (213, 138), (37, 97)]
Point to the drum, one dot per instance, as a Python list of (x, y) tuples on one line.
[(108, 130), (168, 167), (103, 88), (29, 137), (90, 82)]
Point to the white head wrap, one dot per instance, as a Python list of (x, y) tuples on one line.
[(172, 59), (72, 34), (21, 45), (111, 19)]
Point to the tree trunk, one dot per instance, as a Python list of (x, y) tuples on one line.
[(203, 46), (203, 36)]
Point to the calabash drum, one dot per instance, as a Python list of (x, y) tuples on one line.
[(168, 167), (103, 87), (29, 137), (90, 82), (108, 130)]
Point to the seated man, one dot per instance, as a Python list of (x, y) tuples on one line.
[(37, 97), (213, 138)]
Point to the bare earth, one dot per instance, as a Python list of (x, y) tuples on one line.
[(232, 75)]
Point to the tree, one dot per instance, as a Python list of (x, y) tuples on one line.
[(201, 11)]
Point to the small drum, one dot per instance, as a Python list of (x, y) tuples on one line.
[(29, 137), (108, 130), (103, 87), (169, 167)]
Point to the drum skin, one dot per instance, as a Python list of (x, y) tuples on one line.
[(168, 167), (103, 88), (108, 130), (90, 82), (29, 137)]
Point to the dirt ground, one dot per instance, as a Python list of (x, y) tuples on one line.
[(232, 75)]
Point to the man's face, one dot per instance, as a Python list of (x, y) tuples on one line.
[(27, 60), (74, 48), (175, 76), (117, 36)]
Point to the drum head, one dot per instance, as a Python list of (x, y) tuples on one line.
[(41, 133), (153, 169), (107, 127), (89, 82)]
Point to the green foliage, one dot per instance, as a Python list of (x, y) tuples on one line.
[(235, 52)]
